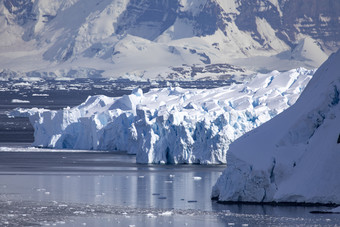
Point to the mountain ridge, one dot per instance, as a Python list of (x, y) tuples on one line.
[(105, 36)]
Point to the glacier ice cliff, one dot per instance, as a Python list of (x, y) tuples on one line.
[(169, 125), (295, 156)]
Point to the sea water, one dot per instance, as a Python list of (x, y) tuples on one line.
[(63, 188), (77, 188)]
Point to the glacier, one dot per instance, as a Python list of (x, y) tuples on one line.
[(169, 125), (295, 156)]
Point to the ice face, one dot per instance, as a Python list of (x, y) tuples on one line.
[(294, 156), (170, 125)]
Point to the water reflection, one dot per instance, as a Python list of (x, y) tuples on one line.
[(270, 215), (141, 186), (139, 190)]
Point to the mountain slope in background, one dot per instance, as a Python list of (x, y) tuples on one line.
[(160, 39)]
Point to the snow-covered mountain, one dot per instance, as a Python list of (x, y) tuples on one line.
[(169, 125), (295, 156), (160, 39)]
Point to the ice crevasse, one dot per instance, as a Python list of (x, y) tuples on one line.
[(295, 156), (169, 125)]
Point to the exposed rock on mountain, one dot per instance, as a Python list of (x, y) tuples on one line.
[(148, 38)]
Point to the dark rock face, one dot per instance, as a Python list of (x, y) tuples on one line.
[(317, 19), (225, 71), (208, 20), (155, 16), (22, 9), (148, 18), (249, 10)]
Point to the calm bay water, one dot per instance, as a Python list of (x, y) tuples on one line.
[(78, 188), (105, 189)]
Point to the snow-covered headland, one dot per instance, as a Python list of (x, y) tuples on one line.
[(169, 125), (295, 156)]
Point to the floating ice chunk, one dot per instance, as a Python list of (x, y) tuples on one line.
[(150, 215), (79, 212), (166, 213), (40, 95), (19, 101), (40, 189), (22, 84)]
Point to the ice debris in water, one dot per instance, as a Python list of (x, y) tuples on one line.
[(169, 125), (166, 213), (150, 215), (19, 101)]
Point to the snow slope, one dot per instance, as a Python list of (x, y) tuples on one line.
[(169, 125), (295, 156), (146, 39)]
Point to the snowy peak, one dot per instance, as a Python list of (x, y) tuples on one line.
[(308, 49), (150, 18), (49, 37)]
